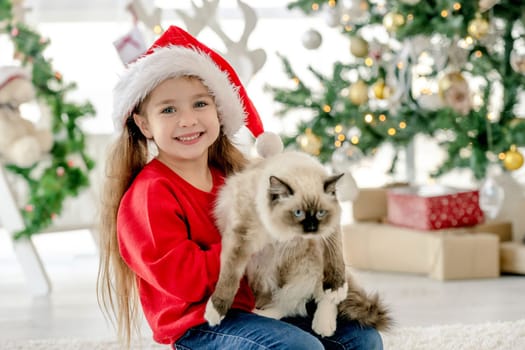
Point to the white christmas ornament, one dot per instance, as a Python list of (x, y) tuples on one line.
[(517, 60), (491, 197), (312, 39), (345, 157), (333, 17)]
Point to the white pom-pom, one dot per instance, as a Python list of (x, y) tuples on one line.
[(268, 144), (346, 188)]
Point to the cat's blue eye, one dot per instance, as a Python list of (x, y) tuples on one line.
[(298, 213), (321, 213)]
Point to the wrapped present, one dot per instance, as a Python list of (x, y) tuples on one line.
[(512, 257), (441, 255), (433, 207), (370, 204)]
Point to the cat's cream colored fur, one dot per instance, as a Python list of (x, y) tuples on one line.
[(280, 221)]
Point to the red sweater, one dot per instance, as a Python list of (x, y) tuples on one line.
[(168, 237)]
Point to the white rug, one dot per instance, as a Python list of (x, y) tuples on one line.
[(484, 336)]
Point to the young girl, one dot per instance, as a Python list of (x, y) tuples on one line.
[(159, 242)]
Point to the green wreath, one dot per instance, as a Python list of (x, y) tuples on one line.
[(65, 173)]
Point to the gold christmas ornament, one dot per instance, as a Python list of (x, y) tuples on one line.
[(309, 142), (358, 46), (381, 90), (478, 27), (513, 159), (392, 21), (358, 93)]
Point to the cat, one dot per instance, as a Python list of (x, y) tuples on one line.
[(280, 225)]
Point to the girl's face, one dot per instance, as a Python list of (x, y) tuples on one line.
[(181, 117)]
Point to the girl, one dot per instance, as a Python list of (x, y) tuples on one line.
[(159, 243)]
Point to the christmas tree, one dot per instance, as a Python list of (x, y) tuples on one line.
[(452, 70)]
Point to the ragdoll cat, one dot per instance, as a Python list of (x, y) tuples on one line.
[(280, 222)]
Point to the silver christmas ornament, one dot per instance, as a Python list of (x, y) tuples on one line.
[(312, 39), (491, 197)]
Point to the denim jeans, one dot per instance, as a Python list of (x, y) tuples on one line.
[(246, 331)]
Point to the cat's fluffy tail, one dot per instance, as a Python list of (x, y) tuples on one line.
[(367, 309)]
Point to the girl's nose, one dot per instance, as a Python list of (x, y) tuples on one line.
[(187, 119)]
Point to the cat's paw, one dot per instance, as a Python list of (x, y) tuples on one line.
[(325, 319), (211, 314), (336, 296), (271, 312)]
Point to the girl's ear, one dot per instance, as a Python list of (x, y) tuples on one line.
[(142, 123)]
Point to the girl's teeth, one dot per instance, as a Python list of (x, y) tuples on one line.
[(188, 138)]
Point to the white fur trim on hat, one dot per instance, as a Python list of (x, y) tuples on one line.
[(145, 74), (268, 144)]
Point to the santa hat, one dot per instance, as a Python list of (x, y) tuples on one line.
[(176, 53)]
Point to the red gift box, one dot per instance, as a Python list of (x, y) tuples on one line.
[(433, 207)]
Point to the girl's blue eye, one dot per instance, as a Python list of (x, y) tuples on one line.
[(168, 110), (201, 104)]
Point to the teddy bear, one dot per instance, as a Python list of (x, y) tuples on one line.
[(21, 142)]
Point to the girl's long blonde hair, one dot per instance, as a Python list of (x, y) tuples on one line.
[(116, 282)]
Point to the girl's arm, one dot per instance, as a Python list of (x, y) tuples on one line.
[(154, 242)]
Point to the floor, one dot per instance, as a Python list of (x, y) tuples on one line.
[(71, 310)]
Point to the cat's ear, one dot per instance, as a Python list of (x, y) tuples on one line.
[(330, 184), (278, 188)]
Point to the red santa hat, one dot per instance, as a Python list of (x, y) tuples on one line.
[(177, 53)]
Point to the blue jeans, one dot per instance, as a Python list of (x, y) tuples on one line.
[(246, 331)]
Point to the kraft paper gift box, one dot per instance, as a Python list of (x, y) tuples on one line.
[(433, 207), (440, 255), (370, 204), (512, 257)]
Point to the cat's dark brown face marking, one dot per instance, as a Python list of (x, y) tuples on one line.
[(305, 211)]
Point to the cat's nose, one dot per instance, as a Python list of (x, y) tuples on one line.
[(309, 227)]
